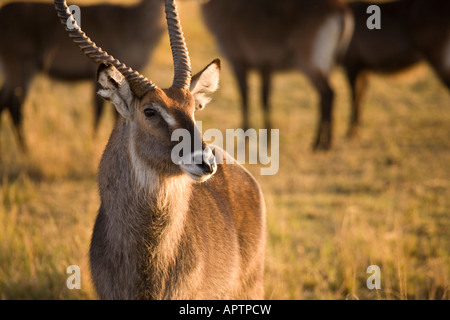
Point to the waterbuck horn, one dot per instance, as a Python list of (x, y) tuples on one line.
[(138, 83), (180, 54)]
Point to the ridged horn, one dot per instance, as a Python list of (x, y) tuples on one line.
[(139, 84), (180, 54)]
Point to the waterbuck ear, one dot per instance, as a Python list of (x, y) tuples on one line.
[(205, 82), (115, 88)]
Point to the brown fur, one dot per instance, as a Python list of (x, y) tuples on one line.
[(33, 40), (411, 31), (161, 235), (270, 36)]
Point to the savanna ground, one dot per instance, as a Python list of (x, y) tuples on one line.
[(382, 199)]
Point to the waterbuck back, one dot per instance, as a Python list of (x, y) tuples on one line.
[(411, 31)]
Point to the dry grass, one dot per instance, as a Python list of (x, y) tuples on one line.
[(382, 199)]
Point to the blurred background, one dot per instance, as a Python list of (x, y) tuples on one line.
[(380, 199)]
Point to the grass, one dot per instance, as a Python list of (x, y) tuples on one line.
[(382, 199)]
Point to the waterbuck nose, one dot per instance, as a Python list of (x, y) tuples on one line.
[(206, 160)]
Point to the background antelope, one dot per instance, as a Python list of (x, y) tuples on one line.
[(282, 35), (31, 41), (160, 233), (411, 31)]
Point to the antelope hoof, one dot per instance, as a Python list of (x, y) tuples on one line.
[(352, 133), (322, 145)]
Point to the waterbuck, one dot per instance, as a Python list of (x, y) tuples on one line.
[(170, 229), (411, 31), (31, 41), (268, 36)]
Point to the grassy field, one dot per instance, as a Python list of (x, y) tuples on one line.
[(382, 199)]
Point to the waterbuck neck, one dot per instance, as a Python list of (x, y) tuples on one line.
[(146, 210)]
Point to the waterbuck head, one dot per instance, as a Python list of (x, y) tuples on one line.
[(151, 114)]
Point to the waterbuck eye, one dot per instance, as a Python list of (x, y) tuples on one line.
[(149, 112)]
